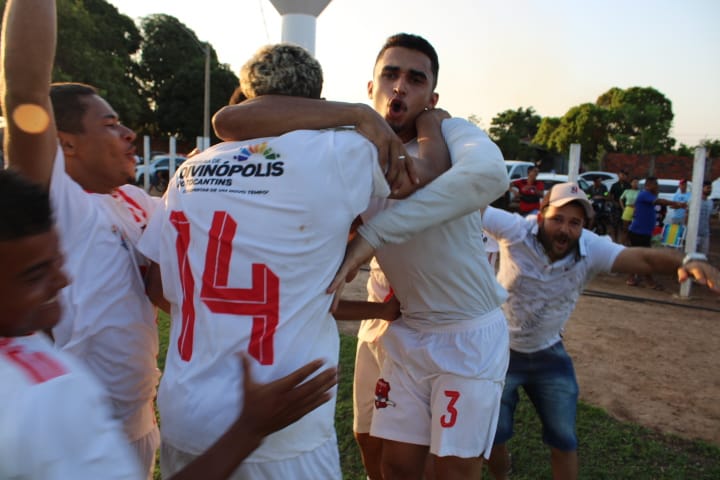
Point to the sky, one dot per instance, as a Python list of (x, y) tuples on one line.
[(497, 55)]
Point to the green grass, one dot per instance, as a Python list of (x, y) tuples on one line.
[(608, 449)]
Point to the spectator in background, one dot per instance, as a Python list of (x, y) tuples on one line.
[(703, 232), (530, 191), (643, 224), (627, 203), (679, 215), (616, 191)]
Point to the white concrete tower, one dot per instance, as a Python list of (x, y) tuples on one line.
[(298, 20)]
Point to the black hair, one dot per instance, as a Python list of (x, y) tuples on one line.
[(68, 105), (413, 42), (24, 207)]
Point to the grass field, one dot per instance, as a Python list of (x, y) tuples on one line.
[(608, 449)]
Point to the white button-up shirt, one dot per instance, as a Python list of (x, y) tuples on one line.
[(542, 293)]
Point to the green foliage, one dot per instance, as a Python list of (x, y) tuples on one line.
[(173, 66), (96, 45), (634, 120), (639, 120), (512, 130), (712, 147), (154, 81), (584, 124)]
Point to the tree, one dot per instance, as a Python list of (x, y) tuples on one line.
[(172, 63), (639, 120), (584, 124), (96, 45), (512, 131)]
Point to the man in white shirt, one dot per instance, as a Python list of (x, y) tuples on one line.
[(430, 247), (250, 237), (545, 263), (55, 422), (108, 321)]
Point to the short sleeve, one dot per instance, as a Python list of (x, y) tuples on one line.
[(62, 430)]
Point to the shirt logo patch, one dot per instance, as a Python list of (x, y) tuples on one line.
[(260, 148), (382, 394)]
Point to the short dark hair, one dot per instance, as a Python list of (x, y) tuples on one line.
[(24, 207), (68, 105), (413, 42)]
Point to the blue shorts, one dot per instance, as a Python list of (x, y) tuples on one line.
[(548, 378)]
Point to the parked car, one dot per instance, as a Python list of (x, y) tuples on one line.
[(517, 169), (548, 180), (157, 163), (607, 178)]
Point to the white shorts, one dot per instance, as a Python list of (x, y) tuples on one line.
[(368, 360), (146, 449), (443, 388), (323, 462)]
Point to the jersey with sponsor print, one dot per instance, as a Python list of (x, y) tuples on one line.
[(107, 319), (54, 423), (252, 236)]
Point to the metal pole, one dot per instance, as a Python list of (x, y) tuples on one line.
[(574, 162), (694, 211), (206, 106)]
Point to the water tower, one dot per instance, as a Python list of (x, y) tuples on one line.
[(298, 21)]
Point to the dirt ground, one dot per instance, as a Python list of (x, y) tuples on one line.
[(647, 357)]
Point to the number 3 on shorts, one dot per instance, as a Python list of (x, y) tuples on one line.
[(261, 300), (448, 420)]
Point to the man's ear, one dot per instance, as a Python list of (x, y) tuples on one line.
[(539, 218), (433, 100), (67, 143), (370, 89)]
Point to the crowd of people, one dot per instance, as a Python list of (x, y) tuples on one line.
[(248, 251)]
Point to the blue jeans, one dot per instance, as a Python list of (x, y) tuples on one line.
[(548, 378)]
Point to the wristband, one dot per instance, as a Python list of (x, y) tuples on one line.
[(694, 257)]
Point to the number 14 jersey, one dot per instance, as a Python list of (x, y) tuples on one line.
[(252, 234)]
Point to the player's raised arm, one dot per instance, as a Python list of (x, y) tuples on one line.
[(28, 49), (258, 117)]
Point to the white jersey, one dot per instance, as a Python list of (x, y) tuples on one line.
[(441, 275), (543, 294), (54, 421), (379, 290), (107, 320), (252, 237)]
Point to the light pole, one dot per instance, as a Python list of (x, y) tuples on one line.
[(205, 47), (206, 104)]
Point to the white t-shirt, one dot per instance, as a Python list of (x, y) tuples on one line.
[(54, 420), (107, 320), (259, 228), (542, 294), (431, 244)]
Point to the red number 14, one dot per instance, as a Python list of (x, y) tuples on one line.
[(261, 300)]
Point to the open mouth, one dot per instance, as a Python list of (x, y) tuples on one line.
[(396, 106)]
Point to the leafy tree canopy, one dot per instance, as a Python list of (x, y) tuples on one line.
[(639, 120), (96, 45), (512, 130), (173, 66)]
